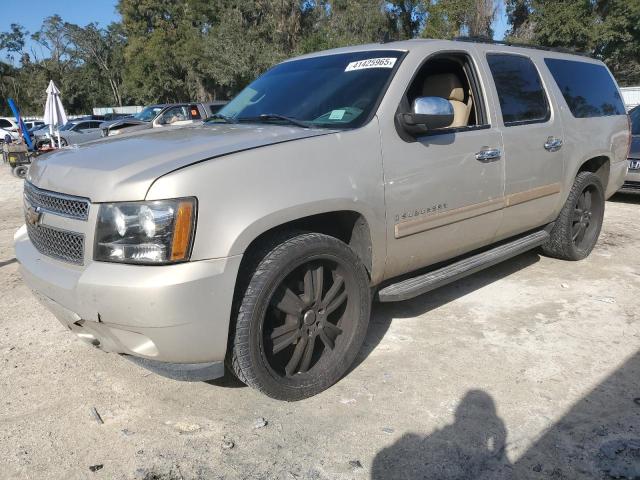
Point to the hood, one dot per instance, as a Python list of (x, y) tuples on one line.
[(634, 151), (122, 168), (121, 121)]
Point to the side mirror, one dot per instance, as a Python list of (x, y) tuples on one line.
[(428, 113), (161, 121)]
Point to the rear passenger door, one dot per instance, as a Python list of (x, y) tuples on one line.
[(532, 134)]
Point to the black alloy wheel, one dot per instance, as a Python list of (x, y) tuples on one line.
[(302, 316)]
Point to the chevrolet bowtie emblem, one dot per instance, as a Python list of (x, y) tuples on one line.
[(33, 215)]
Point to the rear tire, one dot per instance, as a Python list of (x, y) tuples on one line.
[(303, 313), (577, 228)]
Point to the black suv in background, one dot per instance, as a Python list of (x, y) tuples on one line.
[(632, 180)]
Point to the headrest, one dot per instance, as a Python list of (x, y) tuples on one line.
[(445, 85)]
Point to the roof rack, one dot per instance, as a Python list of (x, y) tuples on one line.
[(507, 43)]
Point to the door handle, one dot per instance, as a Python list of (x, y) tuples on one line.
[(553, 144), (488, 155)]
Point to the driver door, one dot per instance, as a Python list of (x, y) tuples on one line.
[(443, 199)]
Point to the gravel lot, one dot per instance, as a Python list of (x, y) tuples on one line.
[(528, 370)]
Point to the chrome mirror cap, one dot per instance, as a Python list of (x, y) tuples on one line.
[(432, 106)]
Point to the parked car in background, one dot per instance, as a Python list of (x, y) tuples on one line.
[(632, 180), (31, 124), (8, 126), (214, 106), (108, 117), (77, 132), (163, 115), (259, 238)]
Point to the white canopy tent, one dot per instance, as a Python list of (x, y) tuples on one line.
[(54, 115)]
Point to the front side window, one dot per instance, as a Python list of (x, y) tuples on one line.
[(520, 91), (587, 88), (335, 91), (174, 114), (5, 123)]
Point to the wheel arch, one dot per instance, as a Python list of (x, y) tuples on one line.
[(599, 165), (346, 224)]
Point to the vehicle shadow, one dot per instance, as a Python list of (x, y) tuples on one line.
[(598, 438), (383, 313), (625, 198), (8, 262)]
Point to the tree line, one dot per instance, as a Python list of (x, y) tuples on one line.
[(177, 50)]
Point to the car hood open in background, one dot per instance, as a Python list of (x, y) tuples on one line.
[(123, 168)]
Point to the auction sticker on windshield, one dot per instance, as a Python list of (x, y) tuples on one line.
[(371, 63)]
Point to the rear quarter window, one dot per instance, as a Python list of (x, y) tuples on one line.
[(588, 88), (520, 91)]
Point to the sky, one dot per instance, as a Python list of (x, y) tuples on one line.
[(81, 12), (103, 12)]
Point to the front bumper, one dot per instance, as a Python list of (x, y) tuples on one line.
[(631, 181), (176, 313)]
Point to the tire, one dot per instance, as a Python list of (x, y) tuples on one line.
[(302, 314), (577, 228), (21, 171)]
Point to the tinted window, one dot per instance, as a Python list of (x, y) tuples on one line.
[(336, 91), (5, 123), (587, 88), (635, 121), (522, 98)]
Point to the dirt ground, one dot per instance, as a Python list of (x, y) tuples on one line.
[(528, 370)]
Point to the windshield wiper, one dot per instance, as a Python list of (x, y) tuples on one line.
[(276, 116), (217, 116)]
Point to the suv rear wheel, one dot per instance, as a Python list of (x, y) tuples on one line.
[(577, 228), (302, 316)]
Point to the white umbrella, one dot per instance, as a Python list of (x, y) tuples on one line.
[(54, 115)]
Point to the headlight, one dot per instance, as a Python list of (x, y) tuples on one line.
[(157, 232)]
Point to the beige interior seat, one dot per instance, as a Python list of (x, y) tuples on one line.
[(449, 86)]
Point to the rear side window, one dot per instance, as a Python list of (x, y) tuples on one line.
[(522, 97), (588, 88), (5, 123)]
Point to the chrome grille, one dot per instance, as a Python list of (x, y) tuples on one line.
[(60, 244), (57, 203)]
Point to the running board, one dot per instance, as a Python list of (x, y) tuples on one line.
[(412, 287)]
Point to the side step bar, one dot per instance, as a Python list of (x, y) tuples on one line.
[(412, 287)]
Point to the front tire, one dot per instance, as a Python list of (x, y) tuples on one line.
[(577, 228), (302, 316)]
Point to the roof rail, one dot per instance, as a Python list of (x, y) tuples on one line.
[(507, 43)]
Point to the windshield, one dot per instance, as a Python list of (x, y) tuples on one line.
[(148, 114), (635, 121), (336, 91)]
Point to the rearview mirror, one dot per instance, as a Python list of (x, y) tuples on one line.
[(428, 113)]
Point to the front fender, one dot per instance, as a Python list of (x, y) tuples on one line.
[(242, 195)]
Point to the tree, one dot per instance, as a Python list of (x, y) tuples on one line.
[(102, 48), (453, 18)]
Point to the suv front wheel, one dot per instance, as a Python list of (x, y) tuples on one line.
[(302, 316)]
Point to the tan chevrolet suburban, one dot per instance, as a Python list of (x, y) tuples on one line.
[(258, 239)]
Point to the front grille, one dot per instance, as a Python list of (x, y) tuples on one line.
[(57, 203), (60, 244), (635, 186)]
